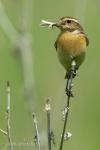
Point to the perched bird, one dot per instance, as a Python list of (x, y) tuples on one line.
[(71, 43)]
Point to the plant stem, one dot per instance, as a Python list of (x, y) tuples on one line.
[(65, 123), (48, 109), (4, 132), (49, 130), (37, 137), (8, 116), (69, 95)]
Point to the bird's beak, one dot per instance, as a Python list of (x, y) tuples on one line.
[(57, 24)]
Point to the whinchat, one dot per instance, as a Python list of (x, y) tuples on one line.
[(71, 43)]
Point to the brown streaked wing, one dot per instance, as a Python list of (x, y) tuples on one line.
[(55, 45), (87, 40)]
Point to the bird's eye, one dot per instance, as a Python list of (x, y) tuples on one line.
[(68, 21)]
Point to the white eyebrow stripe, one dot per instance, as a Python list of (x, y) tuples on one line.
[(73, 19)]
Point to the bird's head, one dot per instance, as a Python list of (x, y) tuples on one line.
[(68, 24)]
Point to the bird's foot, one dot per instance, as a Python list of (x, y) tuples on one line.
[(68, 73)]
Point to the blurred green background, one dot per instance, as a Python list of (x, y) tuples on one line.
[(28, 60)]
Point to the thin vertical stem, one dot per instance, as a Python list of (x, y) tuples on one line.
[(69, 95), (48, 109), (37, 137), (65, 123), (8, 116), (49, 130)]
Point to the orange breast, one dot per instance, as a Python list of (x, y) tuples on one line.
[(73, 44)]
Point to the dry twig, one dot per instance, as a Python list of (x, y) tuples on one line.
[(68, 90), (8, 116), (48, 109), (4, 132), (36, 137)]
